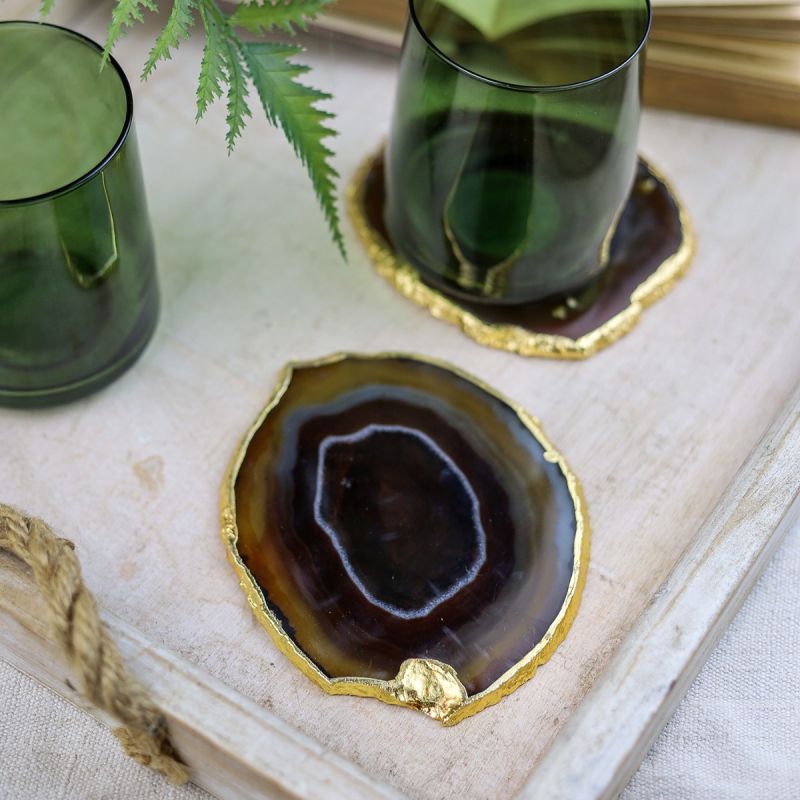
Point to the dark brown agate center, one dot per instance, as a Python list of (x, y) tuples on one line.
[(391, 509), (374, 510)]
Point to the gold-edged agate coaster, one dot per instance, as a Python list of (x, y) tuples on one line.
[(404, 532), (651, 249)]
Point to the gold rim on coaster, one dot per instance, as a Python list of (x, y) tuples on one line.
[(516, 338), (423, 684)]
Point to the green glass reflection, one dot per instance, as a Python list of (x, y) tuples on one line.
[(78, 290), (513, 143)]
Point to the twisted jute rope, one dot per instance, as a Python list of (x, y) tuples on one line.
[(76, 627)]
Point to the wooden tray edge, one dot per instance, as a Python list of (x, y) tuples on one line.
[(235, 748), (599, 749), (247, 752)]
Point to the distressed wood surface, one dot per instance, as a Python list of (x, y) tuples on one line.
[(619, 719), (657, 427)]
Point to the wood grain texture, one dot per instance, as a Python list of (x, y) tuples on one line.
[(676, 87), (656, 427)]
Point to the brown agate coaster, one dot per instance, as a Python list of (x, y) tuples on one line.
[(651, 249), (406, 533)]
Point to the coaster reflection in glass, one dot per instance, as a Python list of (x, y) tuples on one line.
[(406, 533), (651, 250)]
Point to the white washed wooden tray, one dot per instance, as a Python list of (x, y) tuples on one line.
[(684, 434)]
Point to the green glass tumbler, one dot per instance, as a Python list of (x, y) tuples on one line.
[(512, 150), (78, 290)]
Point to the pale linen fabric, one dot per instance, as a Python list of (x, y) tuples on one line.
[(737, 733), (736, 736), (51, 750)]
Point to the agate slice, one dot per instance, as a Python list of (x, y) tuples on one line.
[(406, 533)]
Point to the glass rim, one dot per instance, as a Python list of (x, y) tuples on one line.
[(115, 148), (533, 88)]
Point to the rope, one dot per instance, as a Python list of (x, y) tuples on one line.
[(76, 627)]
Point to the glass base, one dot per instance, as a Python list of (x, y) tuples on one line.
[(652, 248), (583, 292), (127, 355)]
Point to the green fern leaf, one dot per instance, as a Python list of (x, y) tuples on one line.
[(180, 22), (292, 106), (236, 78), (263, 18), (212, 66), (46, 7), (124, 15)]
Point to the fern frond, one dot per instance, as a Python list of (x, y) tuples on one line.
[(288, 16), (212, 66), (124, 15), (236, 78), (292, 106), (228, 63), (179, 23)]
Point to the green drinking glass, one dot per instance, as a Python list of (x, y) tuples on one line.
[(512, 150), (78, 290)]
